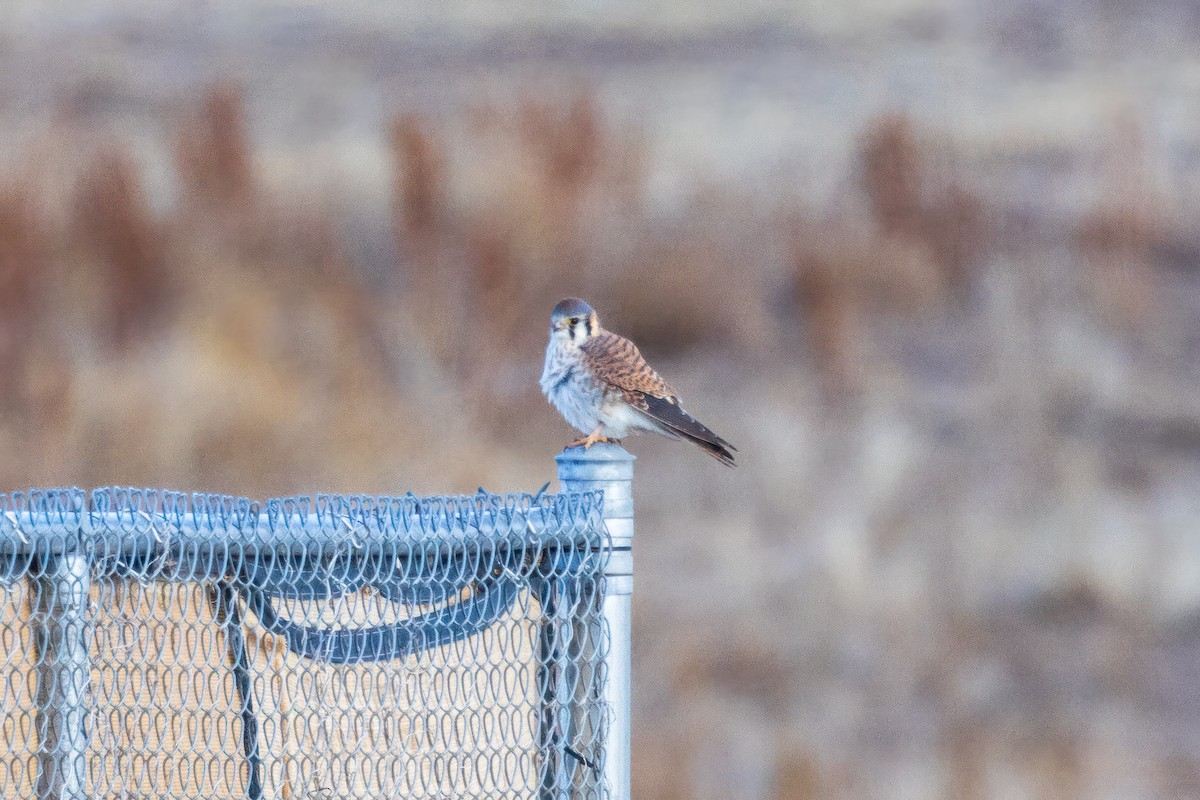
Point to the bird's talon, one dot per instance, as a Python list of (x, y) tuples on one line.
[(589, 440)]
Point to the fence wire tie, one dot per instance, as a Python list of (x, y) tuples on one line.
[(11, 516), (354, 530), (507, 571), (582, 759)]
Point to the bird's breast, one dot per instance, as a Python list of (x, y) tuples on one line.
[(571, 388)]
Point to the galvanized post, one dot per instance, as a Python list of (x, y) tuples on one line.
[(61, 640), (609, 467)]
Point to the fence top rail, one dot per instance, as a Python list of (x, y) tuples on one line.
[(111, 519)]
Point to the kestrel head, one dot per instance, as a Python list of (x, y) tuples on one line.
[(573, 321)]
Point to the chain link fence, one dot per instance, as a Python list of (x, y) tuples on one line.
[(161, 645)]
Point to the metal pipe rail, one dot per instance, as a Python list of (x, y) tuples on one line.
[(449, 568)]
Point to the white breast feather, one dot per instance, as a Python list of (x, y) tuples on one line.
[(570, 388)]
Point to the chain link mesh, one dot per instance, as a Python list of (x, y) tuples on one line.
[(161, 645)]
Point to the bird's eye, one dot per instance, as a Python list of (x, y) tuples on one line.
[(574, 321)]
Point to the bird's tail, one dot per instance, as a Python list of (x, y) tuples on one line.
[(676, 422), (719, 452)]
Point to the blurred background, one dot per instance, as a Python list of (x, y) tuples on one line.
[(933, 266)]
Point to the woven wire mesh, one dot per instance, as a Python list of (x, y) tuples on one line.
[(155, 644)]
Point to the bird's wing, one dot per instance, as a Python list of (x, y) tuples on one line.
[(617, 362)]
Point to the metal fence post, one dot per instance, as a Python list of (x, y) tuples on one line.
[(609, 467), (61, 640)]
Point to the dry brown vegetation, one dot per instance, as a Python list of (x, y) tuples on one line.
[(225, 340), (914, 251), (475, 245), (1119, 233)]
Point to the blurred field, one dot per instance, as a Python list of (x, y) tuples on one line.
[(934, 268)]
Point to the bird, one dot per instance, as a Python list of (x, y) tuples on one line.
[(602, 386)]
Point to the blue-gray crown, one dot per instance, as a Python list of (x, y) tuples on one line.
[(571, 307)]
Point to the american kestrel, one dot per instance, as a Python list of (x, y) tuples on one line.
[(601, 384)]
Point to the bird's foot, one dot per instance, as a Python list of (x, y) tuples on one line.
[(591, 439)]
